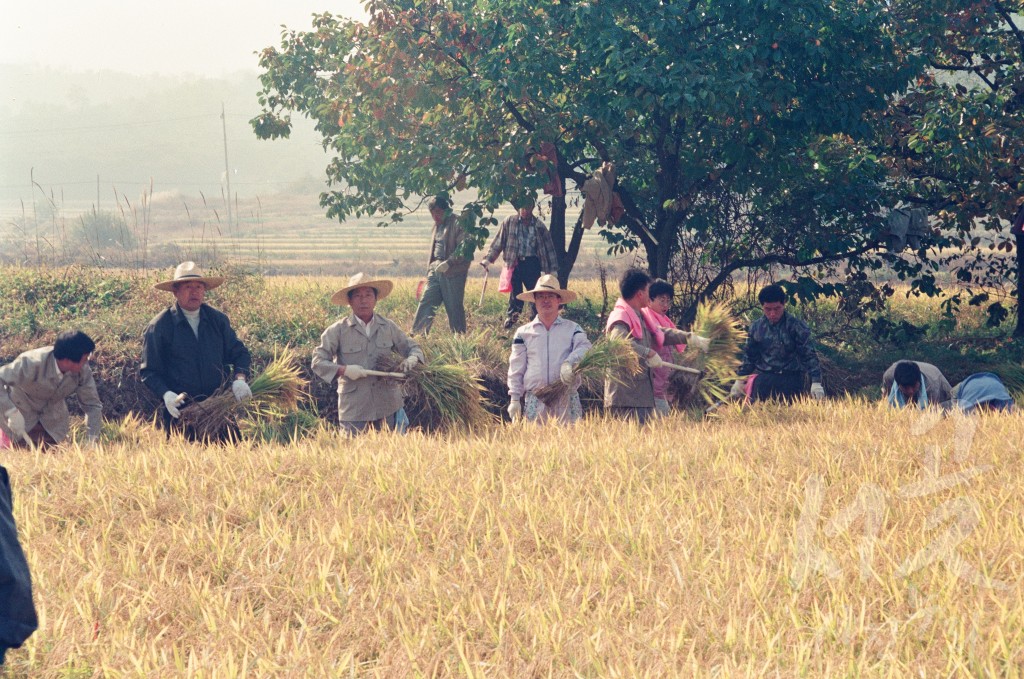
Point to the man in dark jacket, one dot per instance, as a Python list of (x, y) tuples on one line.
[(17, 612), (779, 352), (189, 349)]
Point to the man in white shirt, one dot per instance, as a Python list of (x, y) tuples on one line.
[(545, 350)]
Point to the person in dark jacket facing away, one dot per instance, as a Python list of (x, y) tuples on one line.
[(778, 353), (17, 612), (190, 349)]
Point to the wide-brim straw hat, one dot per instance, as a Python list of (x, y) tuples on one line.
[(547, 283), (361, 280), (188, 272)]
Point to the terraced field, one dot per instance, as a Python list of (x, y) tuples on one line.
[(276, 234)]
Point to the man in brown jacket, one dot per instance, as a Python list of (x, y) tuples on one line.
[(352, 346), (446, 270), (34, 385)]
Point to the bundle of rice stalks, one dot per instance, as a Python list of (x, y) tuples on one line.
[(440, 395), (481, 351), (719, 364), (609, 357), (276, 391)]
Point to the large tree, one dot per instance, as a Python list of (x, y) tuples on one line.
[(955, 142), (751, 109)]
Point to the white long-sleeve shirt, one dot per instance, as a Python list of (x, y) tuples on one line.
[(538, 354)]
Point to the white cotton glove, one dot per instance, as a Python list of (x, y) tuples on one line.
[(410, 363), (442, 267), (355, 372), (16, 423), (739, 388), (654, 361), (515, 409), (817, 391), (241, 390), (566, 374), (484, 263), (702, 343), (171, 403)]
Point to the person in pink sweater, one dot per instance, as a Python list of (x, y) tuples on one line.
[(656, 315)]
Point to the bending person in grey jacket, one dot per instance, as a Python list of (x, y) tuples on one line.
[(34, 385), (916, 382), (353, 346)]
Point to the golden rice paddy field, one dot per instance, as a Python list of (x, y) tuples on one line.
[(825, 540)]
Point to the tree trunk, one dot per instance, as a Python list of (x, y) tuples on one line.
[(557, 229), (571, 252), (1018, 332)]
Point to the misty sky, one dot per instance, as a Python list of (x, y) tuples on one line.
[(202, 37)]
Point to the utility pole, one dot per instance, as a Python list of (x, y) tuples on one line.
[(227, 168), (97, 194)]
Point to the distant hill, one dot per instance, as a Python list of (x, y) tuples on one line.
[(66, 128)]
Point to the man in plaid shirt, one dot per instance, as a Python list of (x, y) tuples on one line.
[(528, 251)]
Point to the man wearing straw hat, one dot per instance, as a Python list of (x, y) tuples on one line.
[(446, 270), (543, 351), (189, 349), (34, 385), (349, 350), (528, 253)]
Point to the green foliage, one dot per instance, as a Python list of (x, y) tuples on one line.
[(954, 142), (44, 300), (734, 125)]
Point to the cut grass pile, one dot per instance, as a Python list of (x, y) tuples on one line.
[(718, 364), (276, 393), (609, 357)]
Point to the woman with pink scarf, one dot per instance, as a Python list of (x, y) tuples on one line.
[(632, 397)]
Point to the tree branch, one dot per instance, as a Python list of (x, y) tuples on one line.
[(523, 122), (786, 260), (1008, 18)]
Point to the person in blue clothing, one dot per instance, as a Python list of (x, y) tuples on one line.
[(982, 391)]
